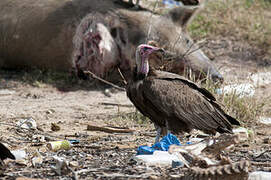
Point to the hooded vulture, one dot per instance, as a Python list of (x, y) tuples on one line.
[(172, 102)]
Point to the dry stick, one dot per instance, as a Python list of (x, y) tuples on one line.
[(116, 104), (104, 81), (121, 75), (194, 49), (149, 30), (108, 130)]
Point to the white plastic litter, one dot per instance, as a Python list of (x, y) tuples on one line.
[(19, 154), (158, 158), (195, 140), (244, 134), (6, 92), (265, 120), (172, 3), (27, 123), (259, 175), (262, 78), (241, 90)]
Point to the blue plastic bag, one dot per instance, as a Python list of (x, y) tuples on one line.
[(163, 145)]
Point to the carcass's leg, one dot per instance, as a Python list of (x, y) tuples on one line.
[(158, 133)]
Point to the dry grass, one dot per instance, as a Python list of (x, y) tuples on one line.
[(246, 20), (245, 109)]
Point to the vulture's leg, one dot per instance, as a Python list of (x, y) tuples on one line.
[(131, 1), (158, 133), (137, 3), (167, 129)]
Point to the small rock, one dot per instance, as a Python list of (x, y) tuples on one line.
[(267, 140), (153, 177), (55, 127), (74, 164), (107, 93)]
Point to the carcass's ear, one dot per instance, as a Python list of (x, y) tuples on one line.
[(182, 15)]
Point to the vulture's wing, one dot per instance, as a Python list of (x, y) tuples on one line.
[(182, 100)]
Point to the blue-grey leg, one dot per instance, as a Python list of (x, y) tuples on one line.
[(136, 4), (167, 128), (158, 133)]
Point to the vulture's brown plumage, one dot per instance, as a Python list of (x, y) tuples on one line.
[(172, 102)]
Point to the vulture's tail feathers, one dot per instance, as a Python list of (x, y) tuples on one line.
[(232, 120), (224, 130)]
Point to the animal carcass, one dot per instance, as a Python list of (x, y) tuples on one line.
[(96, 35)]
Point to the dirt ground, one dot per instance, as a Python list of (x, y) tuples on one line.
[(101, 155)]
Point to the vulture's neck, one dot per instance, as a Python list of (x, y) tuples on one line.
[(137, 77)]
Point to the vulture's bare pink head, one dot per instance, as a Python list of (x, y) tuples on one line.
[(142, 53)]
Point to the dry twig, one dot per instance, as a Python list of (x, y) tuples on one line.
[(104, 81), (116, 104), (121, 75), (108, 130)]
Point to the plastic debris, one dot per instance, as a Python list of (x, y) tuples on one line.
[(262, 78), (259, 175), (27, 123), (265, 120), (172, 3), (195, 140), (19, 154), (37, 159), (38, 138), (6, 92), (61, 166), (158, 155), (244, 134), (59, 145), (163, 145), (241, 90), (160, 158)]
